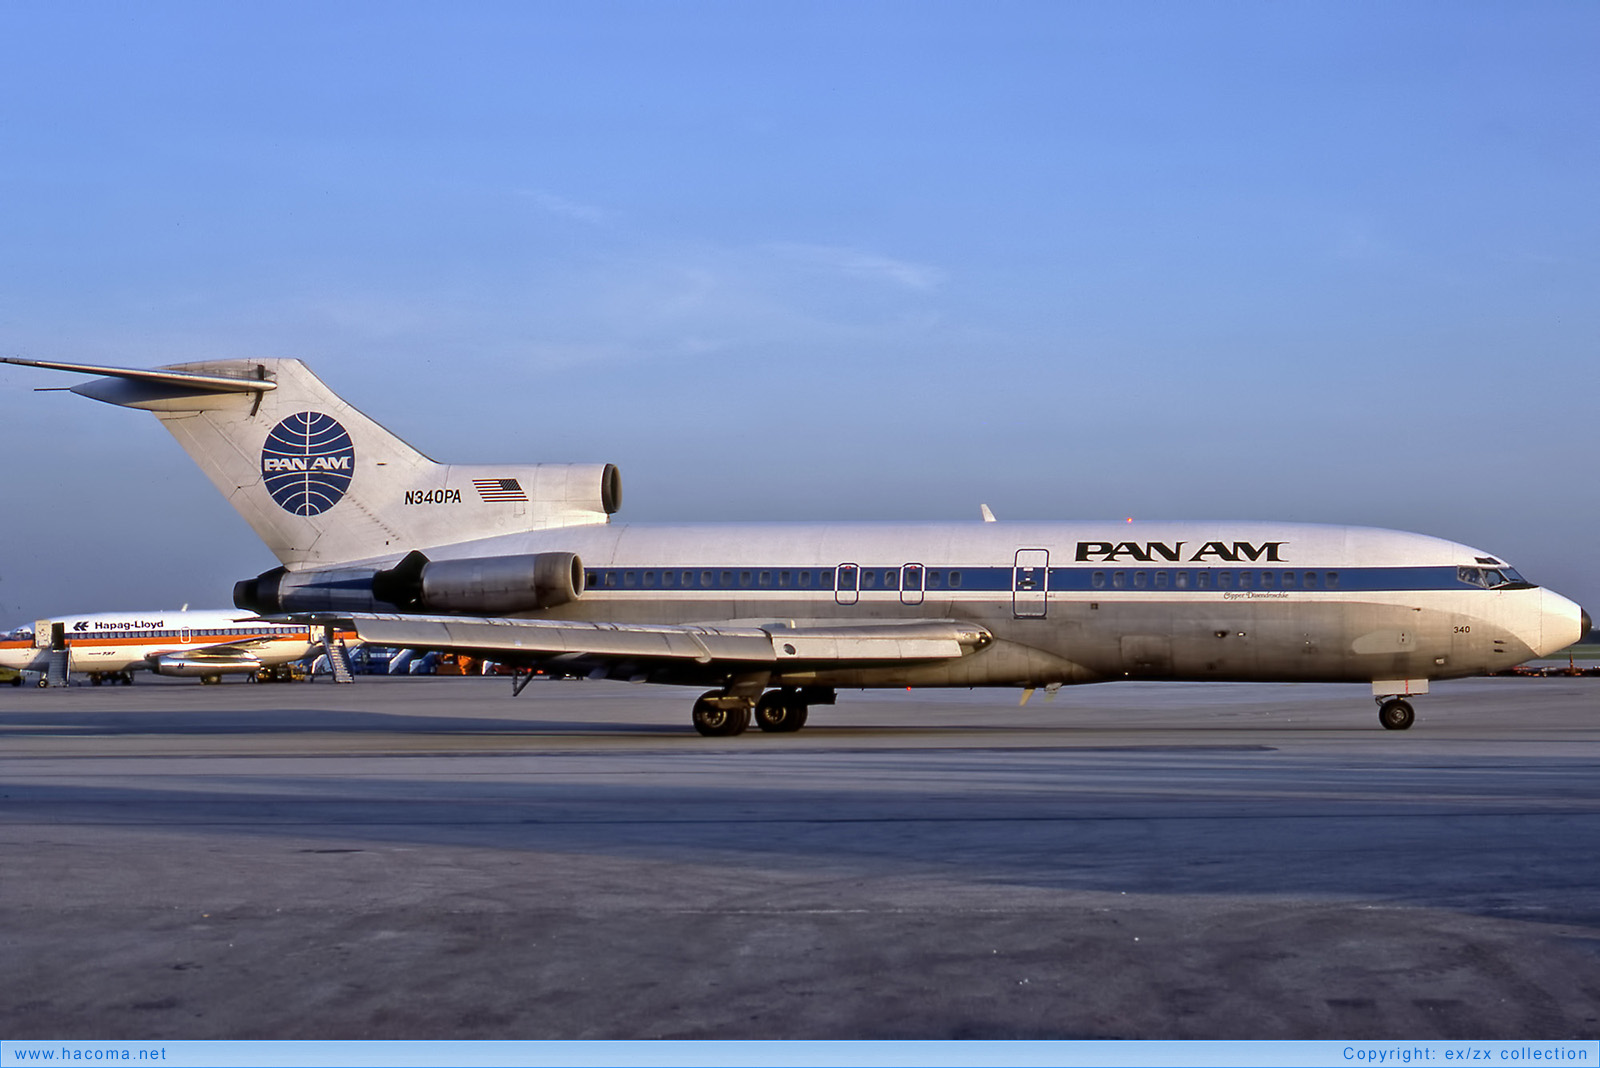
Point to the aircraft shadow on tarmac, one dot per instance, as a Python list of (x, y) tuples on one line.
[(50, 723), (1085, 727), (964, 823)]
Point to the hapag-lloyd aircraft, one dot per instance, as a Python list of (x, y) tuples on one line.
[(203, 644), (522, 564)]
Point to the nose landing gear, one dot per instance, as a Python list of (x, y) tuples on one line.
[(1395, 713)]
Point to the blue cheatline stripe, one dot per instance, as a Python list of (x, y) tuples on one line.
[(1098, 579)]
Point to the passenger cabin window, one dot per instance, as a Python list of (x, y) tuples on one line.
[(1331, 580), (1288, 580), (955, 580), (1098, 580)]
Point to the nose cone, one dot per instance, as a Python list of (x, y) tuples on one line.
[(1563, 623)]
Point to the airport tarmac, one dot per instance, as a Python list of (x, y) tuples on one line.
[(433, 858)]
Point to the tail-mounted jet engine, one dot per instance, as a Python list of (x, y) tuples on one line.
[(486, 585)]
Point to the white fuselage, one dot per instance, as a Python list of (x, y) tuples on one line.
[(1083, 602)]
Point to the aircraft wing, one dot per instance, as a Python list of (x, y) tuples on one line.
[(738, 647), (216, 655)]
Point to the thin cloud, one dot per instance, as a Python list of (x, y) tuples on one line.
[(567, 209), (869, 266)]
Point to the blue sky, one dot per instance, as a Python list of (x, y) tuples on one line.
[(1323, 262)]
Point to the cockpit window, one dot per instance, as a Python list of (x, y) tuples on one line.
[(1490, 578)]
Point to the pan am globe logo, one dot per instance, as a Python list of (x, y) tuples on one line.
[(307, 463)]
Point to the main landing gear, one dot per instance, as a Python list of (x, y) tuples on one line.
[(719, 714), (1395, 713)]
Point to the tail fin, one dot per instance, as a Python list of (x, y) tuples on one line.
[(321, 483)]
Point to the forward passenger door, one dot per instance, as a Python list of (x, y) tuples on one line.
[(1030, 584)]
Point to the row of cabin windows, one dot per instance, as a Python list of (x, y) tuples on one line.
[(1223, 580), (849, 578), (78, 636)]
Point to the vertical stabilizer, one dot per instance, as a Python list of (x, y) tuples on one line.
[(321, 483)]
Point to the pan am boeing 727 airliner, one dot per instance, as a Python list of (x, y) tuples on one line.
[(522, 564)]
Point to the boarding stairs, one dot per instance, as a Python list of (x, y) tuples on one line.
[(338, 657), (56, 672)]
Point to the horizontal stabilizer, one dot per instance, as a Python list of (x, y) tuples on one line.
[(185, 379)]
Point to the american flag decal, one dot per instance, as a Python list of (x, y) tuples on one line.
[(499, 489)]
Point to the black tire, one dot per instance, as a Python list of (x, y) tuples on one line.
[(714, 722), (95, 680), (1397, 715), (17, 681), (43, 682), (780, 713), (210, 680)]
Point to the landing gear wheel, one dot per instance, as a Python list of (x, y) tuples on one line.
[(17, 681), (715, 722), (210, 680), (95, 680), (1396, 715), (780, 713), (43, 682)]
